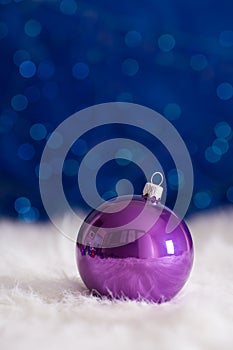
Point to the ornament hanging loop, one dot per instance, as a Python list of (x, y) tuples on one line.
[(152, 190), (153, 175)]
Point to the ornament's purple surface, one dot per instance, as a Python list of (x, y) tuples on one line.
[(125, 250)]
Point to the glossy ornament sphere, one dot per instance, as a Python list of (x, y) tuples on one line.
[(124, 249)]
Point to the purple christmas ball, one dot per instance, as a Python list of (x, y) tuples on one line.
[(125, 250)]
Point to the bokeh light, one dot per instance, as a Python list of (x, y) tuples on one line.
[(212, 154), (123, 156), (224, 91), (226, 38), (80, 71), (220, 146), (172, 111), (198, 62), (166, 42), (32, 28), (222, 130), (21, 56), (31, 215), (38, 131), (26, 151), (22, 205), (133, 38), (130, 67), (202, 199), (175, 179), (19, 102), (79, 148), (27, 69), (68, 7)]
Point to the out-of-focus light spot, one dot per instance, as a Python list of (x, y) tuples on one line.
[(220, 146), (43, 171), (123, 156), (133, 38), (22, 205), (95, 55), (32, 28), (175, 179), (55, 141), (31, 215), (230, 194), (32, 93), (198, 62), (21, 56), (170, 247), (172, 111), (124, 186), (68, 7), (70, 167), (226, 38), (26, 151), (212, 154), (166, 42), (38, 131), (130, 67), (3, 30), (7, 120), (222, 130), (108, 195), (50, 90), (124, 97), (45, 70), (79, 148), (80, 71), (19, 102), (224, 91), (202, 200), (27, 69)]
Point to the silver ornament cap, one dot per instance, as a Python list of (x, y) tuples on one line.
[(153, 190)]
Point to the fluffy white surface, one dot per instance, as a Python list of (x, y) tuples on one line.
[(44, 305)]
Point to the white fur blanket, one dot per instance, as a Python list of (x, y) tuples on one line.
[(44, 305)]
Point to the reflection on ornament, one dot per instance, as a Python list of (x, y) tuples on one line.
[(125, 251)]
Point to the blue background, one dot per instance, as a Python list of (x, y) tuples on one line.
[(58, 57)]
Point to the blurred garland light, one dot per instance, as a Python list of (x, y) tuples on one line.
[(130, 67), (32, 28), (166, 42), (22, 205), (27, 69), (202, 200), (224, 91)]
